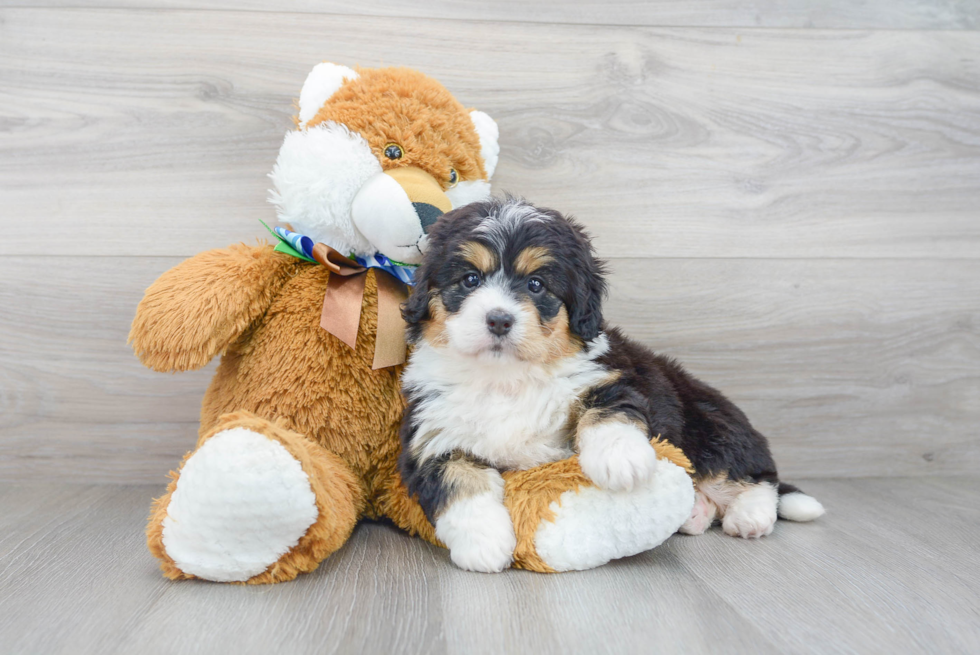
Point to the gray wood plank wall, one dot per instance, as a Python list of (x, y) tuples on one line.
[(788, 193)]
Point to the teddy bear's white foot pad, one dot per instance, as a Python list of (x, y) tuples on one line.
[(241, 502), (593, 526)]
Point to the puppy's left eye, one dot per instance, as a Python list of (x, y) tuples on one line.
[(471, 281), (453, 177), (534, 285)]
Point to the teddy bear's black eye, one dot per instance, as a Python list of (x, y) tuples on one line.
[(534, 285), (453, 177), (393, 151), (471, 281)]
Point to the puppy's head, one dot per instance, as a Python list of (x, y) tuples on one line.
[(505, 279)]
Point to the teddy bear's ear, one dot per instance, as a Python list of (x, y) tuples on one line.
[(322, 82), (486, 128)]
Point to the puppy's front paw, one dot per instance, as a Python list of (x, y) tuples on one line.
[(479, 533), (616, 456)]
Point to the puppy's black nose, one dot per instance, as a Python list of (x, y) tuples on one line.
[(499, 322), (428, 214)]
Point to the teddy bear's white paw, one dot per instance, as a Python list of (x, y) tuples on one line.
[(241, 502), (592, 526), (479, 533), (616, 456), (753, 512)]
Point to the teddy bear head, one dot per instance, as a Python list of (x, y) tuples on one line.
[(378, 156)]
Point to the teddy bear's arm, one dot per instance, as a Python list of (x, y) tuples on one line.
[(197, 308)]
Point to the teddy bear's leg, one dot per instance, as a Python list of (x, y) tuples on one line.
[(564, 522), (256, 503)]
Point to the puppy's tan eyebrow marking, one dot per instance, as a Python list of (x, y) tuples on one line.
[(531, 259), (479, 255)]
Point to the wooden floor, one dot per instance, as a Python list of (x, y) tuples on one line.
[(892, 568)]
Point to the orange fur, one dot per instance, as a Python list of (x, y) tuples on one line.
[(197, 308), (404, 106)]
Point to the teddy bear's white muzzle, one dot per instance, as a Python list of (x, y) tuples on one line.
[(395, 209)]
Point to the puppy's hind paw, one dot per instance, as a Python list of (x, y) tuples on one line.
[(752, 514), (616, 456)]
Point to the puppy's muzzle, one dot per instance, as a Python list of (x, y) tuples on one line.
[(499, 322)]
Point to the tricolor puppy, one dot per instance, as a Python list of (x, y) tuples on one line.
[(513, 367)]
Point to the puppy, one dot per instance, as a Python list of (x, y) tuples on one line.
[(513, 367)]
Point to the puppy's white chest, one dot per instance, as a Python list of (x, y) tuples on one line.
[(514, 428), (513, 421)]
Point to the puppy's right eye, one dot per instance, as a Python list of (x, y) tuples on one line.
[(471, 281)]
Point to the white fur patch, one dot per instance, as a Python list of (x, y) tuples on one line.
[(317, 175), (593, 526), (798, 506), (498, 226), (512, 414), (241, 502), (478, 531), (322, 82), (468, 191), (384, 214), (752, 513), (616, 456), (488, 132)]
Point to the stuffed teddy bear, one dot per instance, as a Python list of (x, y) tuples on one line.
[(298, 436)]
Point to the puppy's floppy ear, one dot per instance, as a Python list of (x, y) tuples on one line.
[(588, 288), (415, 310)]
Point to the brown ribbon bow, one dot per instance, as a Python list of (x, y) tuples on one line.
[(342, 306)]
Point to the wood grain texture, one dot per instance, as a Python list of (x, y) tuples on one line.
[(791, 212), (77, 573), (851, 367), (870, 576), (862, 575), (678, 142), (843, 14)]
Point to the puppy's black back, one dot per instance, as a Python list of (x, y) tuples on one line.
[(714, 434)]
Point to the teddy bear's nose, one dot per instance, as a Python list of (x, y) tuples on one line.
[(428, 214)]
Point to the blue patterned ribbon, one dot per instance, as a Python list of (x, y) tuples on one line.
[(302, 246)]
